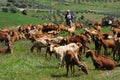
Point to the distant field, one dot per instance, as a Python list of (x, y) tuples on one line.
[(85, 5), (110, 7), (9, 19), (100, 10)]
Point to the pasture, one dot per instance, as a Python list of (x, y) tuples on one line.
[(9, 19), (24, 65)]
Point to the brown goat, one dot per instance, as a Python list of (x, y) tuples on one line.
[(49, 27), (96, 25), (7, 49), (78, 25), (81, 38), (116, 32), (107, 43), (98, 43), (117, 48), (101, 62), (4, 36), (14, 35), (71, 60)]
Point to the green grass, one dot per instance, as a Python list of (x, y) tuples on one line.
[(9, 19), (110, 7), (24, 65)]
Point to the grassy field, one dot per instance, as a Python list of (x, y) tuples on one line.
[(110, 7), (24, 65), (9, 19), (105, 6)]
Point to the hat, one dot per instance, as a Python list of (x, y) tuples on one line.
[(68, 10)]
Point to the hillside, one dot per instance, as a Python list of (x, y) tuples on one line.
[(54, 10), (23, 64), (10, 19)]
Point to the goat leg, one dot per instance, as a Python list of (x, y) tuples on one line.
[(73, 70), (67, 67), (32, 48), (60, 63), (114, 52), (100, 67)]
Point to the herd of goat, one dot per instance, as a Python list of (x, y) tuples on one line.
[(71, 47)]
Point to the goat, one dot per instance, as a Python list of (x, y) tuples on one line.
[(98, 44), (117, 48), (61, 50), (4, 36), (81, 38), (40, 44), (71, 60), (7, 49), (71, 30), (101, 62), (116, 32), (49, 27), (78, 25), (107, 43), (96, 26), (14, 35)]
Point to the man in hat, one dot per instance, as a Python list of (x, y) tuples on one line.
[(69, 17)]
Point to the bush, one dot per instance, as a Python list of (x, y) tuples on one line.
[(82, 17), (5, 9), (11, 0), (23, 5), (9, 5), (13, 10)]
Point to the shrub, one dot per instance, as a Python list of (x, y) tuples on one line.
[(9, 4), (82, 17), (5, 9), (23, 5), (11, 0), (13, 9)]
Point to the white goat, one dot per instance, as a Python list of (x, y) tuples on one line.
[(61, 50)]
